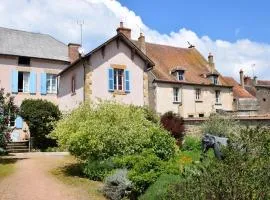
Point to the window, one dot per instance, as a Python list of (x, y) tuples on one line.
[(201, 115), (198, 94), (118, 79), (180, 75), (51, 83), (217, 95), (24, 61), (190, 116), (23, 82), (215, 80), (73, 85), (176, 96)]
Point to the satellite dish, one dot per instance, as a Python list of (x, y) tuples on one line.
[(81, 51)]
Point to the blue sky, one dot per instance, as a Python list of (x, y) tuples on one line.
[(236, 32), (228, 19)]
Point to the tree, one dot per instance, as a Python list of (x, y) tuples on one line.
[(40, 116), (8, 112)]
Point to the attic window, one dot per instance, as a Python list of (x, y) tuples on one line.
[(22, 60), (180, 75)]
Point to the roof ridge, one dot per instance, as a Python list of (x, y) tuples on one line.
[(18, 30)]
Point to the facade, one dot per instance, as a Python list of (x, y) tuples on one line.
[(29, 64)]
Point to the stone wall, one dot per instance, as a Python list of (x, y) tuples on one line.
[(263, 96)]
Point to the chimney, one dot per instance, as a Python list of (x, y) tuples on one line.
[(125, 31), (254, 80), (141, 41), (211, 62), (73, 52), (242, 78)]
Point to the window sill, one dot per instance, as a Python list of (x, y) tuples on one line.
[(218, 104), (198, 101), (119, 92), (177, 102)]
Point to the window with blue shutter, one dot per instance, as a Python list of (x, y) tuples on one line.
[(127, 81), (43, 83), (110, 79), (14, 85), (19, 122), (33, 82)]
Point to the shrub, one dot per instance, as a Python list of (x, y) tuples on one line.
[(221, 125), (117, 186), (97, 169), (192, 144), (158, 190), (98, 132), (40, 116), (243, 174), (174, 124)]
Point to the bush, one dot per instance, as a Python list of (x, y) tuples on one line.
[(40, 116), (192, 144), (117, 186), (145, 168), (174, 124), (243, 174), (97, 169), (109, 129), (158, 190), (221, 125)]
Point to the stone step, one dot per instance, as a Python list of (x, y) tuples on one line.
[(17, 147), (17, 143), (17, 150)]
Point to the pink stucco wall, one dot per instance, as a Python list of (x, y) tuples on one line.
[(8, 63), (99, 66)]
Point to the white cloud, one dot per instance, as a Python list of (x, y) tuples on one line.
[(101, 17)]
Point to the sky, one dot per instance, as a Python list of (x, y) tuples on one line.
[(237, 33)]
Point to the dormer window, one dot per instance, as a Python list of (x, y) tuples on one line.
[(180, 75), (215, 80)]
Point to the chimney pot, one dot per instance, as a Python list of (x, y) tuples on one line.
[(141, 41)]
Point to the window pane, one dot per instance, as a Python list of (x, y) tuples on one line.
[(26, 76)]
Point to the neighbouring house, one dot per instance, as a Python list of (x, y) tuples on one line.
[(244, 103), (116, 70), (29, 64), (135, 72), (261, 90)]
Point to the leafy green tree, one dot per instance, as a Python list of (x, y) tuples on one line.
[(40, 115), (8, 112)]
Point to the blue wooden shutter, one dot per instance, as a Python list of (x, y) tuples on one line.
[(19, 122), (43, 83), (33, 82), (14, 85), (127, 81), (110, 79)]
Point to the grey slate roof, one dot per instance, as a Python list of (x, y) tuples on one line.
[(37, 45)]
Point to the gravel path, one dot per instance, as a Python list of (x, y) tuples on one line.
[(33, 181)]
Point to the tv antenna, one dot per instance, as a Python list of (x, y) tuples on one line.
[(81, 23), (190, 45)]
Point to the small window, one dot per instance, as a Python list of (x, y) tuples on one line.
[(198, 94), (176, 96), (51, 84), (24, 82), (73, 85), (215, 80), (264, 99), (190, 116), (118, 79), (201, 115), (24, 61), (217, 96), (180, 75)]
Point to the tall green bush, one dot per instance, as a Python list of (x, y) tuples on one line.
[(98, 132), (40, 115)]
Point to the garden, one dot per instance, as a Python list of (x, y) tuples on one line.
[(139, 155)]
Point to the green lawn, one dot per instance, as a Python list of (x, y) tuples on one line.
[(7, 166), (70, 174)]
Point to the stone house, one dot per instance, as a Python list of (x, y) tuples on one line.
[(136, 72), (29, 64)]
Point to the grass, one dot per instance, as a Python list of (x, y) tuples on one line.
[(70, 173), (7, 166)]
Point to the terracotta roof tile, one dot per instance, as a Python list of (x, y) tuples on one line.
[(167, 58), (238, 90)]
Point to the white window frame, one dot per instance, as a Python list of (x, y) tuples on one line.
[(49, 86), (176, 95), (25, 84), (116, 85), (215, 80), (217, 97), (180, 75), (198, 94)]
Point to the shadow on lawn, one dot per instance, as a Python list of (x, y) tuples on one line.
[(9, 160), (72, 169)]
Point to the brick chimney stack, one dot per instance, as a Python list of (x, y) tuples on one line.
[(242, 78), (124, 30), (73, 52), (211, 62), (141, 41)]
